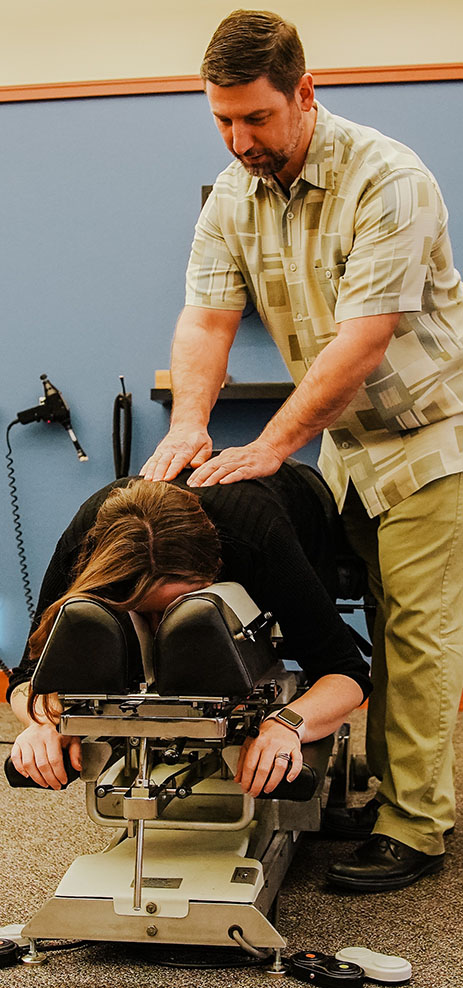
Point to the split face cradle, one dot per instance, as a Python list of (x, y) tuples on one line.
[(194, 859)]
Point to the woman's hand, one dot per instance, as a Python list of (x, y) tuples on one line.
[(261, 764), (38, 754)]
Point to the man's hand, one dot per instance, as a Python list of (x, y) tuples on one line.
[(180, 448), (38, 754), (257, 459), (260, 766)]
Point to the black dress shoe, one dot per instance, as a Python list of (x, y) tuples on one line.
[(382, 864), (350, 822)]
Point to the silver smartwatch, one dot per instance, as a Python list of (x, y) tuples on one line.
[(289, 718)]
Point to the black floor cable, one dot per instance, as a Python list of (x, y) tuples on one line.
[(47, 947), (201, 957), (208, 959), (17, 525)]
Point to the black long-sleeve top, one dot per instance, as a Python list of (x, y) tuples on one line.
[(278, 537)]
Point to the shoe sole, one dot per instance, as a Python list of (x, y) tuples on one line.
[(354, 885)]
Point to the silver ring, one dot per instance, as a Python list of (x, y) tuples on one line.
[(283, 754)]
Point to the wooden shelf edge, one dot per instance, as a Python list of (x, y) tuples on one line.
[(354, 75), (239, 391)]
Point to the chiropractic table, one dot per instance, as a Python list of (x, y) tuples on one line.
[(193, 859)]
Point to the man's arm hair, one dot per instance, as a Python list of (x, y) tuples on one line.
[(200, 351)]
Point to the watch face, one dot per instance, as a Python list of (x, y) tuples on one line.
[(290, 717)]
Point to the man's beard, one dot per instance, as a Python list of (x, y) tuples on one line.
[(275, 160)]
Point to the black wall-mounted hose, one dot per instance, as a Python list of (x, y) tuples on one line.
[(122, 432)]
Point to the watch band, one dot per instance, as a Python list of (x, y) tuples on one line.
[(290, 719)]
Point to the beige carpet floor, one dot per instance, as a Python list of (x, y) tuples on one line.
[(43, 833)]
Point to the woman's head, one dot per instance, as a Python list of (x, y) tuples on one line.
[(146, 537), (145, 533)]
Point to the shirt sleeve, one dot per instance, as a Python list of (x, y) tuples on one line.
[(398, 222), (213, 279)]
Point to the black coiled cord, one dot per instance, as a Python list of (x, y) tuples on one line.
[(17, 525)]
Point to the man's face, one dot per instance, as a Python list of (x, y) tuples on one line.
[(258, 124)]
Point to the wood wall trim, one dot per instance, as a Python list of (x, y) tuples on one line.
[(389, 73), (193, 83)]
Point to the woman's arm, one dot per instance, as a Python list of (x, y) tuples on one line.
[(38, 750), (18, 702), (326, 705), (324, 708)]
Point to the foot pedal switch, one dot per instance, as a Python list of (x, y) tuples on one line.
[(324, 970), (387, 969), (9, 953)]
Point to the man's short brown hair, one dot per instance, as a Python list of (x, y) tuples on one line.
[(252, 43)]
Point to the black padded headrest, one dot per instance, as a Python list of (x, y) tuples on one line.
[(204, 647), (90, 649)]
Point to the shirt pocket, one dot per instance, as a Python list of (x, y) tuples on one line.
[(328, 279)]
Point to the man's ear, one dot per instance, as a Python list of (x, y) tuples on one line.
[(305, 92)]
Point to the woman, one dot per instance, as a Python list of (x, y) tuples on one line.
[(138, 546)]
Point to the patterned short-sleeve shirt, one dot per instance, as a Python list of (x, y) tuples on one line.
[(363, 232)]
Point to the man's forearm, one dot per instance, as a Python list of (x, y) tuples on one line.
[(326, 390), (199, 362), (329, 385)]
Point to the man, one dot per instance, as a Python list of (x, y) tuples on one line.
[(338, 235)]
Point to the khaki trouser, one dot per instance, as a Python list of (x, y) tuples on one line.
[(414, 554)]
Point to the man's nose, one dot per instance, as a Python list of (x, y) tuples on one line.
[(242, 138)]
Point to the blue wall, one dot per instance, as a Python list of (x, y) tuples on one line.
[(99, 200)]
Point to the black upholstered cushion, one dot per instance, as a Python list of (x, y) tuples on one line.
[(200, 648), (90, 649)]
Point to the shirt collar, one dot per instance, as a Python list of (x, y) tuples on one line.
[(318, 166), (319, 163)]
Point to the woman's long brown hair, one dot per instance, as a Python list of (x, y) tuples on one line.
[(143, 533)]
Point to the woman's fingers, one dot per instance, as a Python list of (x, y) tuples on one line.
[(291, 768), (263, 763), (37, 754), (50, 763), (256, 769), (16, 758)]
